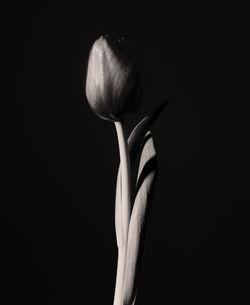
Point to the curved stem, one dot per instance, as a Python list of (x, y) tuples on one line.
[(125, 210), (126, 178), (120, 274)]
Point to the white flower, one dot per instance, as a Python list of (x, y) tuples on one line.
[(112, 87)]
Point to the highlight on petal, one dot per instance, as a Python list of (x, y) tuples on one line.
[(112, 82)]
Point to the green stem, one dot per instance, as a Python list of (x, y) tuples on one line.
[(125, 210)]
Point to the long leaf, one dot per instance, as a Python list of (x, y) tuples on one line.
[(134, 142), (144, 189)]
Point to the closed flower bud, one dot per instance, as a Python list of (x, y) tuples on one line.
[(112, 84)]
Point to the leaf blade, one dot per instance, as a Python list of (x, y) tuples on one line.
[(134, 142), (147, 175)]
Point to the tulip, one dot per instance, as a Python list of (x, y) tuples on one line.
[(112, 83), (113, 90)]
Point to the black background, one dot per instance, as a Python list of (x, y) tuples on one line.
[(60, 160)]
